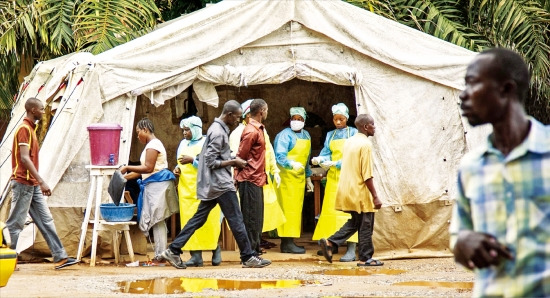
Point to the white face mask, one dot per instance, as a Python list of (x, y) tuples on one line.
[(296, 125)]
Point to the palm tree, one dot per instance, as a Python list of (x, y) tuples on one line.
[(34, 30), (37, 30), (522, 25)]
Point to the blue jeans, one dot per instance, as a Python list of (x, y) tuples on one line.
[(229, 205), (29, 199)]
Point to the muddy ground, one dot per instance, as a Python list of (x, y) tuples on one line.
[(312, 277)]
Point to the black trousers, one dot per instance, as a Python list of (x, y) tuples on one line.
[(252, 208), (229, 205), (363, 223)]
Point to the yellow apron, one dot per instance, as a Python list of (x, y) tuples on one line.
[(273, 214), (205, 238), (291, 192), (197, 285), (331, 220)]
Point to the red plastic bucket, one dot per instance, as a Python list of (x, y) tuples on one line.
[(104, 143)]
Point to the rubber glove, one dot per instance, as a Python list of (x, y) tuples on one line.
[(316, 160), (327, 164), (309, 185), (296, 166), (277, 179)]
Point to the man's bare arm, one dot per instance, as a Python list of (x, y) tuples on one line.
[(370, 185), (27, 163)]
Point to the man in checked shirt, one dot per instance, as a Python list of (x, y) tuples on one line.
[(501, 220)]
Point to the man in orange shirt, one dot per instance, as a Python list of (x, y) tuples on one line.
[(28, 187)]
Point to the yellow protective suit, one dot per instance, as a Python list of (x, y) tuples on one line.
[(205, 238), (273, 214), (291, 192), (331, 220)]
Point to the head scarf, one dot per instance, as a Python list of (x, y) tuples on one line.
[(246, 107), (194, 123), (340, 109), (298, 111)]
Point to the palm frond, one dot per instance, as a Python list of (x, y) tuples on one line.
[(545, 4), (9, 64), (441, 18), (17, 20), (522, 25), (58, 16), (379, 7), (101, 25)]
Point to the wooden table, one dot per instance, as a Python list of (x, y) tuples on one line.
[(316, 179), (97, 173)]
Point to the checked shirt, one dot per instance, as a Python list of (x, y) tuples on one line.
[(509, 198)]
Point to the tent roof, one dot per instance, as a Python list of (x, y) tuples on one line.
[(200, 47), (406, 79), (205, 35)]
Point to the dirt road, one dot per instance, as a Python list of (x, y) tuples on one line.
[(312, 277)]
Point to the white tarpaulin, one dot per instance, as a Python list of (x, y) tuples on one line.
[(409, 81)]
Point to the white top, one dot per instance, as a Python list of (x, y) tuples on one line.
[(161, 162), (235, 138)]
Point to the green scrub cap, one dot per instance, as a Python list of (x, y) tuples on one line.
[(298, 111), (340, 109)]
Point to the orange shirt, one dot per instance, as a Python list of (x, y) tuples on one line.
[(24, 136), (252, 149)]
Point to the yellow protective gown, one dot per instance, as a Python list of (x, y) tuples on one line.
[(291, 192), (273, 214), (205, 238), (197, 285), (331, 220)]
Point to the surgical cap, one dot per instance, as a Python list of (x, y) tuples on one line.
[(246, 107), (340, 109), (298, 111), (194, 123)]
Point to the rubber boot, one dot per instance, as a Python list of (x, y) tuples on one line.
[(350, 254), (288, 246), (195, 260), (217, 256)]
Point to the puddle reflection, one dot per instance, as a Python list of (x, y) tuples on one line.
[(195, 285), (437, 284), (359, 271)]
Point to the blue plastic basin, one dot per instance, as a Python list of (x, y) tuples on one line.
[(112, 212)]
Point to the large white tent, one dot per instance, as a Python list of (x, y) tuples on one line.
[(407, 80)]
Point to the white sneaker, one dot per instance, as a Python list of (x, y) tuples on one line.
[(256, 262), (173, 259)]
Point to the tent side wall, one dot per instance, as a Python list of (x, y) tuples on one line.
[(409, 88)]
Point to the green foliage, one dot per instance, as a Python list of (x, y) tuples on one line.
[(441, 19), (8, 82), (57, 27), (103, 24), (522, 25), (171, 9), (382, 8), (34, 30)]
